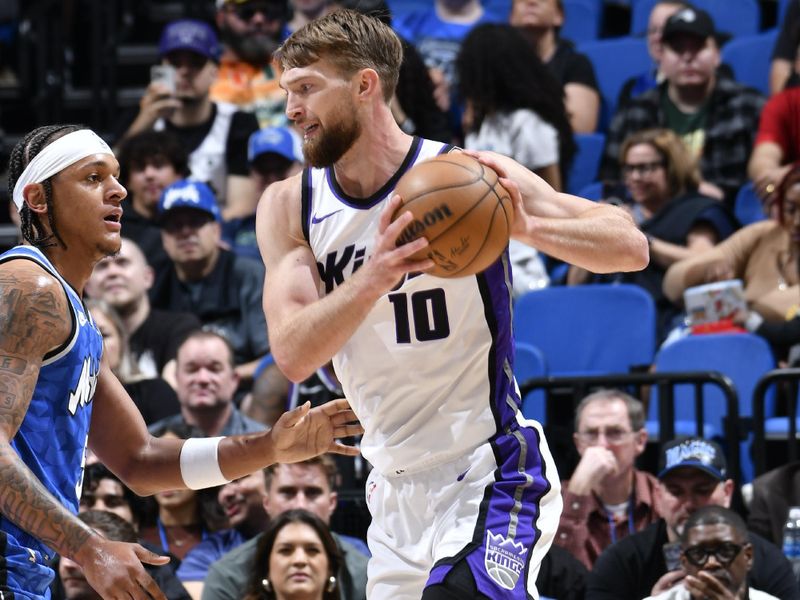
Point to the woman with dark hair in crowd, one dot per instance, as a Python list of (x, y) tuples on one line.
[(513, 104), (296, 558)]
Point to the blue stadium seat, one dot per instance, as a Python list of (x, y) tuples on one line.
[(582, 20), (749, 56), (747, 207), (743, 357), (588, 329), (593, 191), (530, 362), (583, 170), (615, 61), (736, 17)]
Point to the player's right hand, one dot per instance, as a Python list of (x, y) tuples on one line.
[(390, 262), (115, 571)]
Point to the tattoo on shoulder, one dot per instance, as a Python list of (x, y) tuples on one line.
[(32, 318)]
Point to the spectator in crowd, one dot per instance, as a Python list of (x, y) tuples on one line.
[(273, 154), (206, 384), (437, 33), (308, 485), (607, 498), (214, 133), (183, 517), (777, 144), (661, 182), (715, 116), (149, 162), (153, 396), (638, 84), (774, 493), (513, 105), (540, 21), (223, 290), (764, 256), (693, 474), (153, 334), (716, 557), (297, 542), (251, 31), (242, 501), (784, 70), (102, 490), (71, 583)]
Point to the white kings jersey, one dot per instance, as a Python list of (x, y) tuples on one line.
[(429, 371)]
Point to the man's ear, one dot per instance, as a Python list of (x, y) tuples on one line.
[(35, 198), (369, 83)]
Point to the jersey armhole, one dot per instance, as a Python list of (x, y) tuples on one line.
[(305, 202)]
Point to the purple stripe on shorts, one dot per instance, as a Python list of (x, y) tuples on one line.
[(501, 563)]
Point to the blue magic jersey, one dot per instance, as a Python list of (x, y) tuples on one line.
[(51, 440), (429, 371)]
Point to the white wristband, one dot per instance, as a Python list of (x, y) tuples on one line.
[(200, 463)]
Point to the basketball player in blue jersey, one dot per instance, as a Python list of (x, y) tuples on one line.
[(56, 394), (464, 494)]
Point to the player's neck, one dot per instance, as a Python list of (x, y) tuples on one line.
[(374, 158), (73, 269)]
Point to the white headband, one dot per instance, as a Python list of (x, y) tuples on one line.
[(57, 156)]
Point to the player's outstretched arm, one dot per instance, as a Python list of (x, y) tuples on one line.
[(120, 439), (306, 330), (34, 320), (598, 237)]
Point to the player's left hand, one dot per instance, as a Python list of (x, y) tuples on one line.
[(306, 432)]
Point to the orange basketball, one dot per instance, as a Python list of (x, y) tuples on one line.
[(461, 208)]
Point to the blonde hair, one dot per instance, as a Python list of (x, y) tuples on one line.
[(683, 173), (351, 41)]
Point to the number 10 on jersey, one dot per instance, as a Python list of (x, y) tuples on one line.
[(426, 310)]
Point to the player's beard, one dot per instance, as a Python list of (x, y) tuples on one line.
[(333, 140), (255, 49)]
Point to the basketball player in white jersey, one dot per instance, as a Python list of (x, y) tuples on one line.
[(464, 495)]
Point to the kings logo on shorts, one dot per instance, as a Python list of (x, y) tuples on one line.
[(504, 560)]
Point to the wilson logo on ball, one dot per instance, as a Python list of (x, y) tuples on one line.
[(415, 229)]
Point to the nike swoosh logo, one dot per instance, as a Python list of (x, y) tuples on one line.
[(315, 219)]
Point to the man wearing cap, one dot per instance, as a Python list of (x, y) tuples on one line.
[(222, 289), (716, 117), (214, 133), (251, 31), (273, 154), (693, 474)]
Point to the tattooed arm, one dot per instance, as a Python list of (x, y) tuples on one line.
[(35, 318)]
